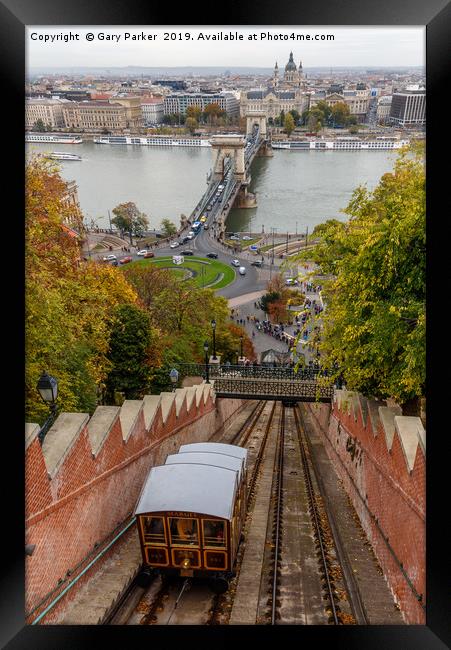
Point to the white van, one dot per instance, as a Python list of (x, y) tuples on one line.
[(242, 270)]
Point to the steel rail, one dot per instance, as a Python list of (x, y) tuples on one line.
[(278, 512), (354, 599), (311, 496)]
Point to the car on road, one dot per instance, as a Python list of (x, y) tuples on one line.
[(126, 260), (291, 282), (185, 239), (203, 219), (242, 270), (246, 238), (143, 252), (213, 256), (235, 238), (186, 253), (235, 262), (109, 258), (149, 254), (257, 263), (174, 244), (206, 226)]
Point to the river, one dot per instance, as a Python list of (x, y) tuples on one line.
[(295, 189)]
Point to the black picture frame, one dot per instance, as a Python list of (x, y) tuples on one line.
[(436, 16)]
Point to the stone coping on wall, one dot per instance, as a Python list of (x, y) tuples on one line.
[(389, 419), (68, 427)]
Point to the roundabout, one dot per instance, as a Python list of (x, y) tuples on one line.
[(205, 273)]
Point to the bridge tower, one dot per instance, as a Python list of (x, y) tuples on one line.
[(224, 146), (258, 118)]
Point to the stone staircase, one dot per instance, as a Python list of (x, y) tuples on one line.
[(97, 598)]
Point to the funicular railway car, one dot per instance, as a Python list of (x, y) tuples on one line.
[(190, 516)]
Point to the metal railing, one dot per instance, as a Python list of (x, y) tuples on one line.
[(255, 372)]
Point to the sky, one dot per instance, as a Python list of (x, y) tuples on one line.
[(352, 46)]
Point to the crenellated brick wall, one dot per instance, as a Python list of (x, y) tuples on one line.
[(84, 481), (380, 456)]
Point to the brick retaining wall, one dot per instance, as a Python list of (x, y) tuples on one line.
[(380, 457), (86, 478)]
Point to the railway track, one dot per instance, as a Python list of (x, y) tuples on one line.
[(302, 577)]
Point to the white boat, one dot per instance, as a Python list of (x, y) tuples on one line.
[(342, 144), (56, 139), (62, 155), (152, 141)]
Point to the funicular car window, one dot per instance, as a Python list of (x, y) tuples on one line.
[(214, 533), (184, 531), (153, 530)]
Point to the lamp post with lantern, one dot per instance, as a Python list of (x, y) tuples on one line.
[(206, 362), (174, 376), (47, 387), (213, 327)]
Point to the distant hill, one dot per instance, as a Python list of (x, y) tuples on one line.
[(199, 71)]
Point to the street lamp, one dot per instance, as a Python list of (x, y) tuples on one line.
[(206, 362), (213, 327), (241, 346), (174, 375), (48, 390)]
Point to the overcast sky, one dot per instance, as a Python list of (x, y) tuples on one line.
[(352, 46)]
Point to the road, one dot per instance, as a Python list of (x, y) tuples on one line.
[(204, 242)]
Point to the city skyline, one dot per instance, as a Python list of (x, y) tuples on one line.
[(351, 47)]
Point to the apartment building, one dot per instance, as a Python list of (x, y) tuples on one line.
[(408, 107), (50, 111), (179, 102)]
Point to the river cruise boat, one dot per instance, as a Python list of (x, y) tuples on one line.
[(55, 139), (153, 141), (62, 155), (342, 144)]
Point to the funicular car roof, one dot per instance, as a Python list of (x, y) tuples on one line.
[(216, 447), (189, 487), (209, 458)]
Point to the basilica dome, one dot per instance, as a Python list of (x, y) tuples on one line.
[(291, 65)]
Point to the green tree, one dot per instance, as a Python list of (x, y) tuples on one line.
[(295, 115), (39, 126), (130, 220), (340, 114), (375, 321), (168, 227), (289, 124), (322, 228), (191, 124), (130, 353), (325, 109)]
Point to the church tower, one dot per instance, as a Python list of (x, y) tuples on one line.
[(276, 76), (290, 75)]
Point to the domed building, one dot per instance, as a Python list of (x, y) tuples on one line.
[(280, 95)]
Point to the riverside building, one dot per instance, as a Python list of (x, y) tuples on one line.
[(284, 94), (179, 102), (50, 111), (408, 107)]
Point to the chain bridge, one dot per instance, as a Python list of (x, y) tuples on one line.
[(232, 157), (265, 383)]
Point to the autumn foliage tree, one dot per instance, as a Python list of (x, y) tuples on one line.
[(68, 303), (375, 321)]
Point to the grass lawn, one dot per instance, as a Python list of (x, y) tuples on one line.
[(205, 271)]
